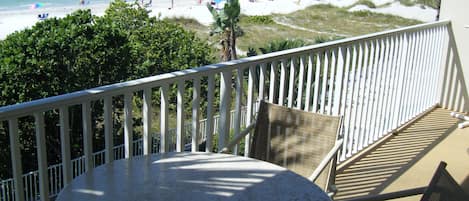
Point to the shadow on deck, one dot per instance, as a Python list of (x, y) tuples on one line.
[(408, 158)]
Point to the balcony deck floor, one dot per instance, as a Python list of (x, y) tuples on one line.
[(409, 158)]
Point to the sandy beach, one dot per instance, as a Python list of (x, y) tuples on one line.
[(13, 20)]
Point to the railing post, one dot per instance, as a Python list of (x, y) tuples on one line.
[(65, 145), (42, 156), (331, 81), (239, 95), (180, 131), (108, 129), (164, 110), (273, 82), (250, 108), (325, 80), (87, 136), (210, 124), (299, 96), (309, 82), (128, 128), (291, 84), (225, 109), (195, 115), (16, 159), (317, 82), (146, 110), (283, 76)]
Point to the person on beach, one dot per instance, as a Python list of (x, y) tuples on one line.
[(82, 2)]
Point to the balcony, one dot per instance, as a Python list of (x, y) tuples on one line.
[(383, 84)]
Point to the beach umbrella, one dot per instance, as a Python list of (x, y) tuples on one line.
[(36, 5)]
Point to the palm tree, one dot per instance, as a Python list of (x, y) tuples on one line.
[(226, 25)]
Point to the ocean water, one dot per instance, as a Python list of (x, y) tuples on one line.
[(24, 5)]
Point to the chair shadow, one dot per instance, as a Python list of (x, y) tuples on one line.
[(376, 169)]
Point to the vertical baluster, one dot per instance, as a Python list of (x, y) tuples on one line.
[(383, 88), (394, 82), (345, 104), (146, 110), (428, 70), (108, 129), (317, 82), (42, 156), (65, 144), (250, 108), (357, 66), (273, 82), (439, 64), (416, 75), (299, 97), (239, 95), (364, 96), (331, 81), (368, 93), (386, 90), (15, 155), (195, 115), (409, 77), (378, 90), (128, 129), (180, 131), (225, 105), (87, 136), (432, 39), (164, 116), (283, 76), (210, 123), (262, 81), (309, 82), (402, 69), (339, 82), (350, 125), (325, 80), (291, 84)]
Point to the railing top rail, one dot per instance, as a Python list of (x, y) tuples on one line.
[(27, 108)]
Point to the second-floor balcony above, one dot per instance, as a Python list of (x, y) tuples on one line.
[(377, 83)]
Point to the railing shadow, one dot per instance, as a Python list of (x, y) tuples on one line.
[(176, 178), (375, 170)]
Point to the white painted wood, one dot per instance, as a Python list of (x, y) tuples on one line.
[(262, 75), (353, 106), (180, 131), (42, 156), (250, 108), (65, 145), (225, 105), (128, 128), (273, 82), (317, 81), (196, 138), (108, 129), (338, 102), (391, 104), (357, 94), (238, 102), (291, 84), (87, 136), (309, 82), (345, 103), (368, 101), (210, 124), (16, 164), (283, 77), (301, 75), (363, 65), (384, 89), (164, 118), (325, 81), (331, 81), (146, 112), (348, 140), (381, 89)]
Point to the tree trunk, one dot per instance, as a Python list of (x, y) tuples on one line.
[(233, 42)]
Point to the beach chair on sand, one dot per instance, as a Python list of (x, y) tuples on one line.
[(304, 142)]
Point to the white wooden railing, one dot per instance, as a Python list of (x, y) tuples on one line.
[(378, 82)]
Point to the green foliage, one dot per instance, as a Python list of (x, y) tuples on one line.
[(279, 45), (258, 19), (323, 39), (82, 51), (362, 13), (431, 3), (367, 3), (226, 25)]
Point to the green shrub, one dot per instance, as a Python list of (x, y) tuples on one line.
[(367, 3), (259, 19)]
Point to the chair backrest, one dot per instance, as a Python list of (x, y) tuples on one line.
[(294, 139), (443, 187)]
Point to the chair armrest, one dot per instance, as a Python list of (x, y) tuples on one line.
[(390, 196), (326, 160), (237, 139)]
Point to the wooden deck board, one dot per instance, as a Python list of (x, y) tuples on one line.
[(408, 158)]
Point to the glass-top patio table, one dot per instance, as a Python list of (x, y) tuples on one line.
[(190, 177)]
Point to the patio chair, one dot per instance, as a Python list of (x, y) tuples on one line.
[(442, 187), (304, 142)]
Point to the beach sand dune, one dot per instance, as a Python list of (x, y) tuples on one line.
[(11, 21)]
